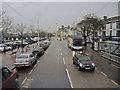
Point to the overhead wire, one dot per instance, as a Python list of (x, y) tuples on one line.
[(19, 13)]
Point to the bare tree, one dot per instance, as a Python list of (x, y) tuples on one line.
[(5, 24), (85, 29), (96, 25), (31, 30), (21, 32), (89, 26)]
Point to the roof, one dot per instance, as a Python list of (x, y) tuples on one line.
[(112, 19)]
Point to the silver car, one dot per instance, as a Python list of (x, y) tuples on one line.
[(25, 60)]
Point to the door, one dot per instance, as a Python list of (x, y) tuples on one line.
[(7, 78)]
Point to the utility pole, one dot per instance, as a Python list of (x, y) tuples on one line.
[(38, 34)]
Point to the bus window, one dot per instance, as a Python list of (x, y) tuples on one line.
[(77, 42)]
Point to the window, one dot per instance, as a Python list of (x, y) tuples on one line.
[(95, 33), (104, 26), (104, 33), (23, 56), (110, 33), (118, 25), (111, 26), (118, 33), (5, 73)]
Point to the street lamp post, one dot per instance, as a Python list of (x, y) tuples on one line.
[(38, 38)]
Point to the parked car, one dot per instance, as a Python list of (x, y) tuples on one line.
[(25, 60), (83, 62), (38, 51), (44, 46), (47, 43), (28, 41), (9, 77), (10, 45), (17, 43), (4, 47)]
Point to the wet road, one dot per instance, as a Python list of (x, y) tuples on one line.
[(55, 70)]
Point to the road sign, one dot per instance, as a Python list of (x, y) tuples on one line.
[(2, 38)]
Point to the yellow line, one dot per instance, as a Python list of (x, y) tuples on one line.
[(38, 61), (24, 81), (103, 74), (35, 65), (115, 83), (115, 66), (31, 71)]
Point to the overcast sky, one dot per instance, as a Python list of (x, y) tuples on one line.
[(51, 15)]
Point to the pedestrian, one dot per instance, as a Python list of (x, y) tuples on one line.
[(26, 49), (18, 47)]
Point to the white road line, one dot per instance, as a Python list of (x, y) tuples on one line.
[(61, 54), (63, 60), (60, 49), (69, 78)]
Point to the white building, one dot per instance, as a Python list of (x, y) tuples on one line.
[(111, 29)]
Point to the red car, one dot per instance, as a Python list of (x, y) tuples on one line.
[(8, 77), (38, 51)]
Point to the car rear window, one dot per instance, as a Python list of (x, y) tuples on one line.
[(23, 56)]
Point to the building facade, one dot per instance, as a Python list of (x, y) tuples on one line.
[(111, 29)]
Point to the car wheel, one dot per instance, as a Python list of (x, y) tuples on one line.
[(78, 67), (17, 78), (30, 65), (93, 69), (73, 62)]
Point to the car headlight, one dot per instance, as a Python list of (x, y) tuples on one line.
[(93, 64), (81, 65)]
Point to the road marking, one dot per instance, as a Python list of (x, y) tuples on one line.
[(115, 66), (108, 62), (31, 71), (35, 65), (60, 49), (103, 74), (69, 78), (38, 61), (24, 81), (115, 83), (63, 60), (61, 54), (27, 83)]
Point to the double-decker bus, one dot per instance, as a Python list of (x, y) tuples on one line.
[(75, 42)]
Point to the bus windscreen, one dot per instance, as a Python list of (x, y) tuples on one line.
[(77, 42)]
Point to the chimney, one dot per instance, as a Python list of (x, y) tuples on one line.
[(104, 17)]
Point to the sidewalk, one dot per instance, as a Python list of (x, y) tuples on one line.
[(96, 55)]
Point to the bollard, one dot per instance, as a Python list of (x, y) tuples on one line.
[(33, 45), (26, 49)]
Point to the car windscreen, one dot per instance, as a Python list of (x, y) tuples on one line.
[(23, 56), (84, 58), (113, 48), (117, 51), (106, 47)]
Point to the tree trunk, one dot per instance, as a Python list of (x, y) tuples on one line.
[(93, 42), (22, 45), (85, 41)]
